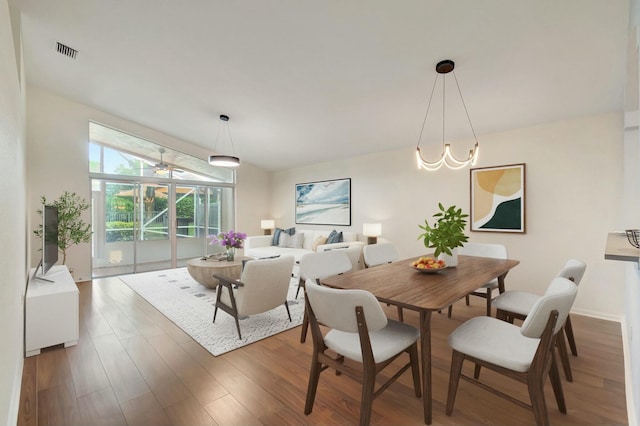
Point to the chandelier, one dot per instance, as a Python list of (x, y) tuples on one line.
[(224, 160), (446, 155)]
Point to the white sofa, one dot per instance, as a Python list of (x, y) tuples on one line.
[(261, 245)]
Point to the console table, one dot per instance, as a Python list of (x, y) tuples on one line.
[(51, 314)]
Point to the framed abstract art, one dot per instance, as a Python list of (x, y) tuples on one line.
[(326, 202), (498, 198)]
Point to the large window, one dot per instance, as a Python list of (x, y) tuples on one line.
[(152, 212)]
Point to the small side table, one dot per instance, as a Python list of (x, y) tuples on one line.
[(202, 270)]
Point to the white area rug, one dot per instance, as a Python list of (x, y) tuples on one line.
[(190, 306)]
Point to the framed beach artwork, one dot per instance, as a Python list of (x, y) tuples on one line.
[(326, 202), (497, 199)]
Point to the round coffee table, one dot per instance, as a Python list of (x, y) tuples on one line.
[(202, 270)]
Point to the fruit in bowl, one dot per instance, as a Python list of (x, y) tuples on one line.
[(428, 263)]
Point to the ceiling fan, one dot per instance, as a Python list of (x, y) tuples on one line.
[(164, 168)]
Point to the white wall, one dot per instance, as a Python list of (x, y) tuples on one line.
[(57, 133), (573, 192), (13, 262)]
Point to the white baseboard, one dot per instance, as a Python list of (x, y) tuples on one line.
[(14, 404), (628, 380), (595, 314)]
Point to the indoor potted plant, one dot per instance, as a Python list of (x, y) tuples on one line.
[(72, 229), (446, 234), (231, 240)]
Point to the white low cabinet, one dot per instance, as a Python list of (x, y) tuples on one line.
[(51, 311)]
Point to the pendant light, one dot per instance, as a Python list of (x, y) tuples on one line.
[(224, 160), (446, 155)]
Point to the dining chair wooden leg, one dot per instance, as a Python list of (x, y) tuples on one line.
[(286, 305), (489, 302), (314, 378), (556, 384), (564, 354), (537, 402), (305, 327), (449, 311), (501, 315), (467, 300), (476, 371), (572, 341), (457, 359), (300, 285), (400, 314), (368, 384)]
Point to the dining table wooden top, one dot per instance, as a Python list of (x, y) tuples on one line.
[(400, 284)]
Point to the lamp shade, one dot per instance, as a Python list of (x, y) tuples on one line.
[(372, 229), (267, 224), (224, 160)]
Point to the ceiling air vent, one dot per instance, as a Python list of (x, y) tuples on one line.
[(66, 50)]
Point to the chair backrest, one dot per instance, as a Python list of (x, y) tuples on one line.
[(377, 254), (573, 270), (354, 253), (324, 264), (265, 284), (336, 308), (559, 297), (496, 251)]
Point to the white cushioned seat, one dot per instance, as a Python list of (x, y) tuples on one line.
[(385, 343), (519, 302), (495, 341)]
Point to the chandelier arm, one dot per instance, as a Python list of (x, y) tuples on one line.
[(428, 108), (430, 166), (465, 108)]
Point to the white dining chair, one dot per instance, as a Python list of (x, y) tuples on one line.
[(316, 266), (360, 332), (496, 251), (516, 304), (522, 353), (379, 254)]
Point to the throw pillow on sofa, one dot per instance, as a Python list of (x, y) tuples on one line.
[(276, 235), (334, 237), (318, 242), (291, 241)]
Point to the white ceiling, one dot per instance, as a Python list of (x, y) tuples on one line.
[(310, 81)]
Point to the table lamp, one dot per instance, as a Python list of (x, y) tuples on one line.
[(372, 231), (267, 225)]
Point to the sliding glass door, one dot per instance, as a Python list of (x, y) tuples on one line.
[(200, 213), (144, 226)]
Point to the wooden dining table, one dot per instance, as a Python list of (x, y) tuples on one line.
[(401, 285)]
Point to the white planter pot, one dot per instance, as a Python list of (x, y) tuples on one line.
[(452, 260)]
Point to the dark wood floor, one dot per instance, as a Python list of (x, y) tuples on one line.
[(132, 366)]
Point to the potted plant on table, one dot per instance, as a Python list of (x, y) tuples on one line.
[(446, 234), (231, 240)]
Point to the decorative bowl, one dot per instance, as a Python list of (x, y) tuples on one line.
[(428, 261), (429, 270)]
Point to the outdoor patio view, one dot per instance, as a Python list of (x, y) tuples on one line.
[(152, 214)]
